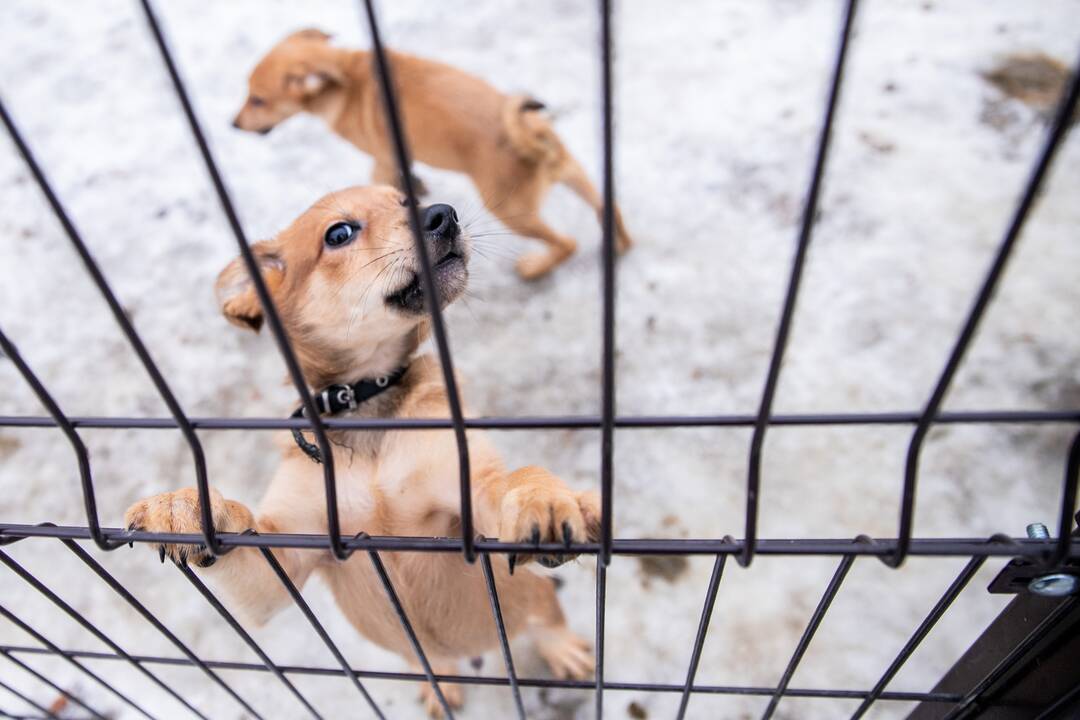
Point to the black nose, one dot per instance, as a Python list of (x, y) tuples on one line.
[(236, 124), (440, 221)]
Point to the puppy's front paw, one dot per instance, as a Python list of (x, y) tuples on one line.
[(539, 508), (178, 512)]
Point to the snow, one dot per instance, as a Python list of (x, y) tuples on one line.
[(718, 110)]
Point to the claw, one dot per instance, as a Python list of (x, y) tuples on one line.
[(567, 533), (511, 560), (161, 553)]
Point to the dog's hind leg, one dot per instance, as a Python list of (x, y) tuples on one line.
[(571, 174), (568, 655), (453, 693)]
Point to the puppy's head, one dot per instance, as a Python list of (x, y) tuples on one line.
[(345, 278), (296, 71)]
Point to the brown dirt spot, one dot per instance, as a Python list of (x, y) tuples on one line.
[(666, 567), (1035, 79), (8, 445)]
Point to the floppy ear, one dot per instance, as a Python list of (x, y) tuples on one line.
[(236, 292), (320, 67)]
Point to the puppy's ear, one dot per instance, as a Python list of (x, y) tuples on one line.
[(236, 292)]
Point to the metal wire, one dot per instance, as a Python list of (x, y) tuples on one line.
[(809, 217), (1058, 130), (128, 330), (273, 319), (702, 631), (493, 681), (93, 630), (302, 605), (1051, 552), (52, 647), (431, 294)]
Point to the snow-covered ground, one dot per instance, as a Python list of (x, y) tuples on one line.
[(718, 108)]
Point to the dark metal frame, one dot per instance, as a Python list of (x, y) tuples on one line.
[(1050, 552)]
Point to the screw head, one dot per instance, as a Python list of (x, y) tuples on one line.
[(1055, 585), (1038, 531)]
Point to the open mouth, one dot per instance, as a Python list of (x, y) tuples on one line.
[(449, 275)]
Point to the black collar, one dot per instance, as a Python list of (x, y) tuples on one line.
[(334, 399)]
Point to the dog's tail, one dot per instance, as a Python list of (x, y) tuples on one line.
[(529, 132)]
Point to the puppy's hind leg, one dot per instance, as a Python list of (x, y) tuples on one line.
[(535, 265), (572, 175), (453, 693), (568, 655)]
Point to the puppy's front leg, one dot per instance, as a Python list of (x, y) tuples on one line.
[(244, 573), (533, 505)]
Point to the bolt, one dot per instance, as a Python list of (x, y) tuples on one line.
[(1038, 531), (1055, 585)]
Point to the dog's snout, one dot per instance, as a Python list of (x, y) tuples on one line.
[(236, 123), (440, 221)]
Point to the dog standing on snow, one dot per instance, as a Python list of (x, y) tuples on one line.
[(452, 120), (344, 276)]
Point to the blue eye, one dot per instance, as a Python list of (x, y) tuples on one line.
[(340, 234)]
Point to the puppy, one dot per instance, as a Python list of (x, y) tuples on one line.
[(344, 276), (452, 120)]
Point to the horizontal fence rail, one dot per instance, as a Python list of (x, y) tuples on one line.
[(1049, 553)]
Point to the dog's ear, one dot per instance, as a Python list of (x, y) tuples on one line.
[(236, 292), (309, 78)]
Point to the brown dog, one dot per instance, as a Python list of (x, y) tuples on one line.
[(344, 277), (452, 120)]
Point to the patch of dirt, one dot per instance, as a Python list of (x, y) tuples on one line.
[(1034, 79), (666, 567), (635, 711), (8, 445)]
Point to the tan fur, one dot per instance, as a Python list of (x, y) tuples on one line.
[(452, 120), (333, 302)]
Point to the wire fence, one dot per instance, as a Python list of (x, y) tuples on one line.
[(1049, 553)]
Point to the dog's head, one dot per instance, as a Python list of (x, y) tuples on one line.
[(288, 79), (345, 278)]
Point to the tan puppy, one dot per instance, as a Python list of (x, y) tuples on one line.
[(452, 120), (344, 276)]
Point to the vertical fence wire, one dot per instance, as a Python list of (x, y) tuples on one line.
[(406, 625), (26, 699), (808, 634), (431, 296), (69, 695), (1068, 504), (607, 387), (82, 456), (246, 637), (141, 609), (273, 319), (81, 619), (702, 631), (125, 325), (500, 627), (55, 650), (1057, 133), (601, 612), (304, 608), (924, 628), (783, 329)]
